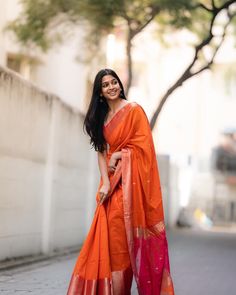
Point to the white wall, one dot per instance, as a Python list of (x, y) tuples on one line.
[(2, 21), (59, 70), (46, 167)]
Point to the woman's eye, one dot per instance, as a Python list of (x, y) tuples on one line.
[(115, 82)]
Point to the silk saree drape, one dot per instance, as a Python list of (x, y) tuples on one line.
[(127, 236)]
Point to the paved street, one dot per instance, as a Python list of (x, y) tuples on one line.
[(201, 264)]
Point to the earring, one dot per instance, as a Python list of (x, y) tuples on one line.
[(100, 97)]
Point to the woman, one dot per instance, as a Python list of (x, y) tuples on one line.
[(127, 236)]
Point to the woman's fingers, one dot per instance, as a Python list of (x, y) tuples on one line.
[(112, 168), (103, 197), (112, 164)]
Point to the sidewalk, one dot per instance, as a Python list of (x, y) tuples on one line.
[(49, 277), (31, 259), (201, 263)]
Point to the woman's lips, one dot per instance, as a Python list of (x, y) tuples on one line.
[(112, 93)]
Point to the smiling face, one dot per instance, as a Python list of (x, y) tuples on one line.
[(110, 87)]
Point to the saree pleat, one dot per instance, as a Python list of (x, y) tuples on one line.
[(127, 236)]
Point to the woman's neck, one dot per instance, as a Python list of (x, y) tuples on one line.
[(115, 105)]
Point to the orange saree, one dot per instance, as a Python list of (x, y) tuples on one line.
[(127, 236)]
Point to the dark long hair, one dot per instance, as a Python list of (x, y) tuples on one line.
[(97, 111)]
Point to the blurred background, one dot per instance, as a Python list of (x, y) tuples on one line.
[(177, 59)]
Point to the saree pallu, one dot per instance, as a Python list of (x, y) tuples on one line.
[(127, 237)]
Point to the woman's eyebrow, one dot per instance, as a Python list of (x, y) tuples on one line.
[(109, 81)]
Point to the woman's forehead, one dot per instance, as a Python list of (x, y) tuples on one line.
[(108, 78)]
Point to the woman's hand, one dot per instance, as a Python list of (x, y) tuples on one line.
[(104, 190), (113, 161)]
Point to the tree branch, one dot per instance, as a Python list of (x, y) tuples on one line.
[(225, 5), (213, 4), (203, 6), (153, 14), (130, 35), (141, 27), (187, 74), (208, 65), (214, 8)]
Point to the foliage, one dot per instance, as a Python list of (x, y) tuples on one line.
[(42, 17), (37, 20)]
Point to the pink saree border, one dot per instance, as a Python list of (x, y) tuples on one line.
[(127, 191), (80, 286), (155, 278), (122, 281), (119, 284)]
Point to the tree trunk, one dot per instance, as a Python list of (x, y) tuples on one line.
[(177, 84), (189, 73), (129, 61)]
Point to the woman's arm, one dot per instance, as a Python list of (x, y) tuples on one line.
[(103, 167), (104, 190), (117, 155)]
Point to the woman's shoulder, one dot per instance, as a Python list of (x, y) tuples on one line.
[(138, 115), (137, 112), (136, 107)]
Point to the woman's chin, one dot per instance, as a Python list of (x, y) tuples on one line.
[(113, 98)]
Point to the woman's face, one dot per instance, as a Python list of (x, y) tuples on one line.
[(110, 87)]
